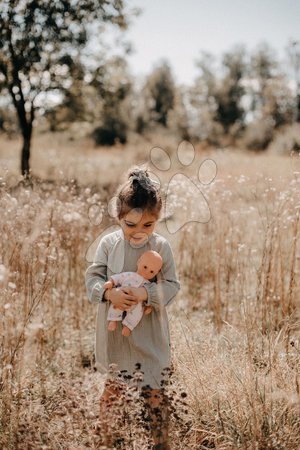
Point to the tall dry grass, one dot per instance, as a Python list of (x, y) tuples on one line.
[(234, 325), (240, 356)]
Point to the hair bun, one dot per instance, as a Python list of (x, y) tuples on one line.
[(138, 173), (139, 191), (139, 179)]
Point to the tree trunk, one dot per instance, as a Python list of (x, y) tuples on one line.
[(25, 155), (26, 124)]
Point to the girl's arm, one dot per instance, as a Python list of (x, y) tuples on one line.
[(96, 274), (164, 291), (95, 277)]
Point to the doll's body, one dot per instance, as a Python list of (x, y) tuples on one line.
[(148, 265)]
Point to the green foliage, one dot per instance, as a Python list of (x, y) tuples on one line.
[(271, 98), (202, 97), (263, 63), (230, 91), (112, 130), (38, 38), (259, 134), (287, 141), (159, 94), (38, 43), (74, 100), (219, 99), (293, 50), (7, 120), (178, 119), (113, 85), (251, 93)]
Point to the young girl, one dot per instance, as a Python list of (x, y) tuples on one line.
[(139, 207)]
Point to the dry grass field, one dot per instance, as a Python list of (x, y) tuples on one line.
[(235, 324)]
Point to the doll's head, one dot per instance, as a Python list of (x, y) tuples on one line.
[(149, 264)]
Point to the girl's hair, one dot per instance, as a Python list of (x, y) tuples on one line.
[(139, 191)]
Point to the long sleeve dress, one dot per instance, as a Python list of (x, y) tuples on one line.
[(149, 342)]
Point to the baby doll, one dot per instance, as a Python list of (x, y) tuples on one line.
[(148, 265)]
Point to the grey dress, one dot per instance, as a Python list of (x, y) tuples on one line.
[(149, 343)]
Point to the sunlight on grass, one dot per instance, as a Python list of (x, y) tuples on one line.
[(234, 325)]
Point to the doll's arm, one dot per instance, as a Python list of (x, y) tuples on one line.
[(148, 310), (109, 284)]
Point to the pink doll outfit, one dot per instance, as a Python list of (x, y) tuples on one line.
[(135, 313)]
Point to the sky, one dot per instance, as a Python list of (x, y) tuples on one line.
[(178, 30)]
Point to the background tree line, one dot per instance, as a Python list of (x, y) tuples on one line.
[(240, 95)]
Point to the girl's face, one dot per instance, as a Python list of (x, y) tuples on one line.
[(138, 225)]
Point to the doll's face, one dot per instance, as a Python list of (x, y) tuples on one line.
[(149, 264)]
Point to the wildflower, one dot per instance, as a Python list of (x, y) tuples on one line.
[(138, 376), (69, 217), (3, 272), (36, 326), (112, 367), (242, 179)]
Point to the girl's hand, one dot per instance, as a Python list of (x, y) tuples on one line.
[(120, 299), (140, 293)]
